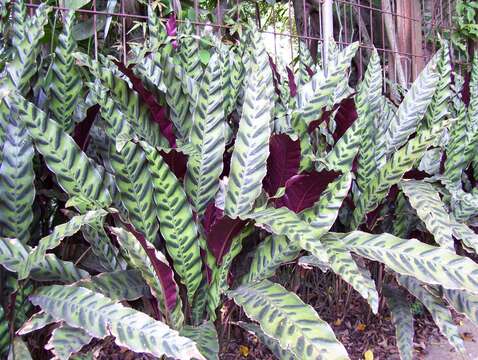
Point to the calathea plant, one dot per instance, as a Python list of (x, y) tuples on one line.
[(179, 166)]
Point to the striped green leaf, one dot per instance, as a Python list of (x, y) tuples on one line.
[(100, 317), (251, 149), (51, 241), (36, 322), (13, 255), (16, 183), (133, 181), (274, 251), (325, 211), (282, 221), (284, 317), (205, 336), (430, 264), (438, 310), (176, 222), (101, 246), (66, 340), (455, 161), (137, 113), (393, 170), (207, 139), (318, 92), (368, 101), (271, 343), (438, 108), (413, 107), (462, 301), (145, 261), (188, 52), (117, 286), (465, 234), (472, 115), (402, 319), (218, 283), (342, 263), (430, 209), (74, 171), (65, 84)]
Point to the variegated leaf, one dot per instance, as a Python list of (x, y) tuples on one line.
[(19, 350), (438, 310), (282, 221), (270, 342), (462, 301), (205, 337), (402, 319), (413, 107), (283, 316), (117, 286), (149, 262), (176, 222), (65, 84), (393, 170), (74, 171), (100, 317), (430, 264), (51, 241), (66, 340), (36, 322), (251, 148), (274, 251), (207, 139), (342, 263), (430, 209)]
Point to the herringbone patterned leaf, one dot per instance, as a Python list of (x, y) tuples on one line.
[(284, 317), (176, 222), (65, 84), (67, 340), (251, 149), (100, 317), (205, 337), (413, 107), (430, 209), (207, 140), (429, 264)]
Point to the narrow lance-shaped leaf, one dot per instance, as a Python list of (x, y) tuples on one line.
[(368, 104), (438, 310), (4, 332), (74, 171), (274, 251), (284, 222), (54, 239), (218, 284), (283, 316), (65, 84), (16, 183), (268, 341), (117, 286), (471, 150), (176, 222), (66, 340), (325, 211), (154, 268), (402, 319), (455, 161), (100, 317), (342, 263), (207, 139), (430, 264), (462, 301), (413, 107), (251, 149), (430, 209), (393, 170), (205, 337)]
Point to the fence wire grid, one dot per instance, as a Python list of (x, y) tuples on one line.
[(404, 32)]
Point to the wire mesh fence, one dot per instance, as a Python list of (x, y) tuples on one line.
[(405, 32)]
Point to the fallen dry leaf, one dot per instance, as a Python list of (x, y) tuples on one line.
[(368, 355), (361, 327)]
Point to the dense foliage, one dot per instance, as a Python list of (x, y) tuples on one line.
[(135, 200)]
